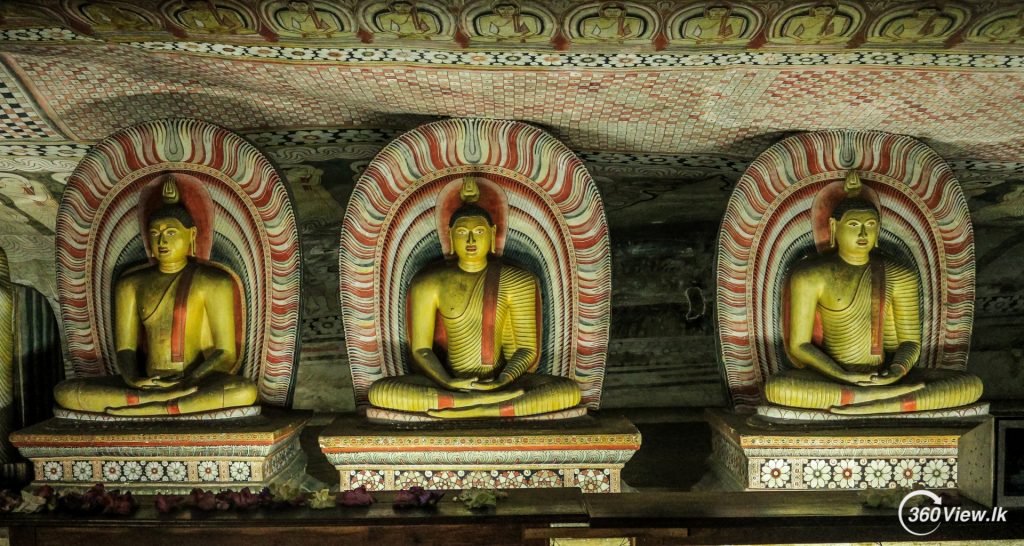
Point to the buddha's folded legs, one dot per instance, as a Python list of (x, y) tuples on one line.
[(921, 390), (420, 394), (111, 395), (541, 394)]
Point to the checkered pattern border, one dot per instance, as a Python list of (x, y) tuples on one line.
[(18, 116)]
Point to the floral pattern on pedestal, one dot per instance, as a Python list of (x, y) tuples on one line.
[(372, 480), (593, 480)]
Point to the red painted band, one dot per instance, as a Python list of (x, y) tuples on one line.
[(909, 403), (491, 283), (131, 398), (847, 397), (445, 401), (180, 312), (507, 410), (173, 409)]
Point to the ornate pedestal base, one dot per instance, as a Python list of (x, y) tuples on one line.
[(587, 453), (166, 457), (751, 454)]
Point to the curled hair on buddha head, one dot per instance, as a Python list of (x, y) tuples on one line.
[(172, 207), (853, 200), (469, 194)]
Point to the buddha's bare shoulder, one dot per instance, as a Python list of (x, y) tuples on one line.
[(811, 267), (433, 275)]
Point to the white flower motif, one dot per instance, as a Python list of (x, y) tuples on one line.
[(82, 470), (132, 470), (768, 58), (22, 35), (878, 473), (176, 471), (817, 474), (696, 60), (478, 58), (842, 58), (847, 473), (775, 473), (735, 58), (154, 471), (56, 34), (195, 47), (268, 139), (879, 58), (936, 473), (806, 58), (367, 54), (587, 60), (112, 471), (207, 471), (511, 59), (405, 55), (21, 150), (441, 57), (989, 61), (310, 137), (549, 59), (953, 60), (660, 60), (1016, 61), (918, 59), (52, 470), (228, 49), (908, 472), (625, 59), (263, 51), (331, 54), (301, 53), (239, 471), (156, 46)]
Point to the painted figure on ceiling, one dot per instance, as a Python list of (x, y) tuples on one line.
[(926, 24), (404, 20), (1006, 30), (507, 23), (611, 24), (175, 330), (305, 20), (110, 17), (823, 24), (716, 26), (205, 17), (474, 332), (854, 332)]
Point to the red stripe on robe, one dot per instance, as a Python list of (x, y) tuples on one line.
[(180, 313)]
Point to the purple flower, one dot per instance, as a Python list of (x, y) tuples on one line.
[(356, 497), (416, 496)]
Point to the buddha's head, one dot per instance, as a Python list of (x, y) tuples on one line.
[(716, 12), (506, 9), (822, 11), (401, 6), (471, 227), (171, 229), (298, 6), (854, 224), (927, 13), (612, 10)]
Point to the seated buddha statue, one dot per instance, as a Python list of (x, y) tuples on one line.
[(488, 313), (177, 319), (854, 333)]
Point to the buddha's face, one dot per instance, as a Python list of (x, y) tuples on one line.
[(169, 240), (925, 13), (300, 7), (822, 11), (612, 12), (717, 13), (505, 10), (401, 7), (472, 238), (856, 233)]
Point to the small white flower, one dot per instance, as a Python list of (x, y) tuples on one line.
[(22, 35), (908, 472), (196, 47), (512, 59), (112, 471), (806, 58), (935, 473), (156, 46), (775, 473), (207, 471), (768, 58), (661, 60), (879, 58), (625, 59), (176, 471), (331, 54), (239, 471), (478, 58), (918, 59), (405, 56), (841, 58), (441, 57), (228, 49), (263, 51), (953, 60), (989, 61), (696, 60), (154, 471), (52, 470), (1016, 61), (56, 34), (587, 60), (736, 58), (309, 137), (301, 53), (82, 470), (847, 473), (367, 54), (878, 473), (549, 59), (132, 470), (268, 139), (817, 474)]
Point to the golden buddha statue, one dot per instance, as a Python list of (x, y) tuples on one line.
[(865, 310), (179, 315), (489, 316)]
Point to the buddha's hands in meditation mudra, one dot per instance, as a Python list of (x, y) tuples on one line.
[(489, 312), (183, 313), (869, 311)]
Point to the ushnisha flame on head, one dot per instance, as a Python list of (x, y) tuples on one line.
[(853, 200), (470, 194)]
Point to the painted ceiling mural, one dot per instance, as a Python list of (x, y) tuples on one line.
[(667, 103)]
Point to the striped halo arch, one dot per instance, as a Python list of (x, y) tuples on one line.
[(98, 236), (556, 230), (925, 223)]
